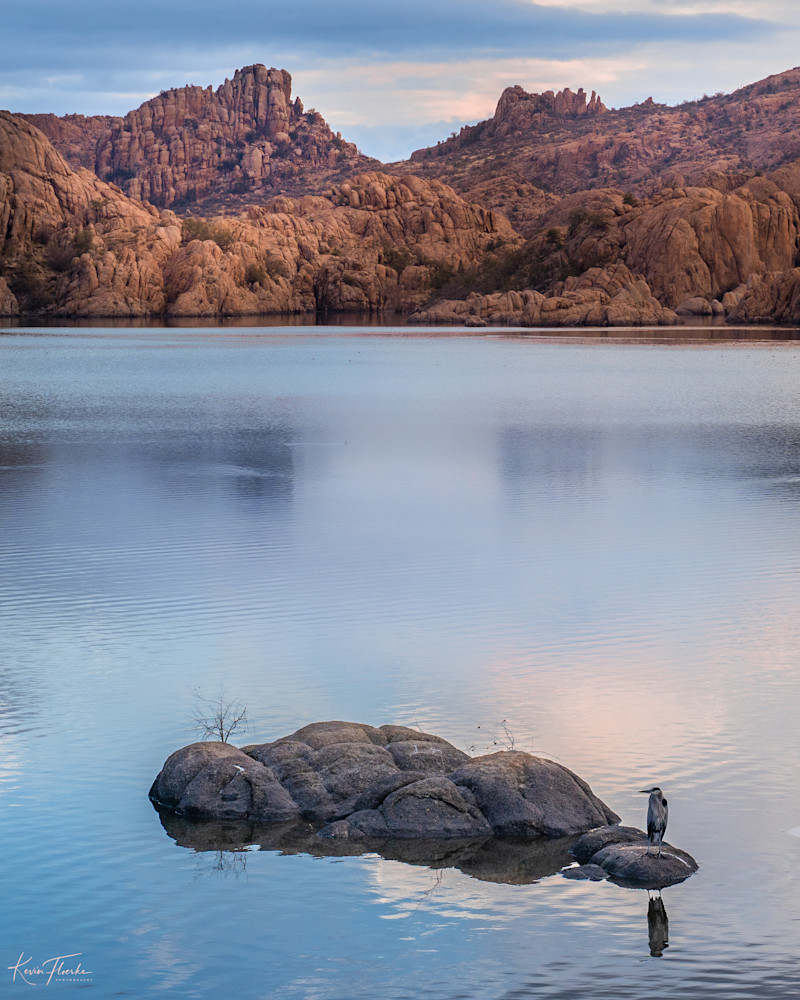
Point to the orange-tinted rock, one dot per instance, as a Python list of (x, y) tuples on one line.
[(74, 136), (699, 241), (8, 303), (187, 143), (770, 298), (565, 146), (704, 234), (77, 246), (599, 297)]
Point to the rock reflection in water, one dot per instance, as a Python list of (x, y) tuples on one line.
[(222, 847), (221, 864), (657, 925), (490, 860)]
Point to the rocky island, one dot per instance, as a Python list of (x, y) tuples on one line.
[(557, 211), (357, 787)]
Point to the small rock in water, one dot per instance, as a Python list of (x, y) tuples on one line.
[(588, 873), (584, 849), (624, 853)]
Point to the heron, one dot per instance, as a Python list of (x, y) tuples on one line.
[(657, 814)]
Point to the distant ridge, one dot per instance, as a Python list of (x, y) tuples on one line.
[(562, 143)]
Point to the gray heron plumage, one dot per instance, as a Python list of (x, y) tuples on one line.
[(657, 815)]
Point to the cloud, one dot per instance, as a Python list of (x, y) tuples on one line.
[(418, 103), (148, 34), (430, 90), (385, 77)]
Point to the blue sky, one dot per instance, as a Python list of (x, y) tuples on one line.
[(392, 77)]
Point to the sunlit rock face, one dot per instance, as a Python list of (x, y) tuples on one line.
[(73, 245), (698, 233), (186, 143), (389, 782)]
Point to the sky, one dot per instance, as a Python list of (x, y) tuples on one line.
[(391, 77)]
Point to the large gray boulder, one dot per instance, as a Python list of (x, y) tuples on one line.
[(528, 797), (625, 855), (392, 782), (327, 767), (431, 807), (215, 779)]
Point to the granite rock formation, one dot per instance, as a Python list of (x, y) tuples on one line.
[(705, 235), (565, 145), (390, 782), (599, 297), (75, 136), (728, 250), (73, 245), (248, 135)]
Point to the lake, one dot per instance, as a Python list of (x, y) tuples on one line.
[(591, 539)]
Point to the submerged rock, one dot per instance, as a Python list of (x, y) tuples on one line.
[(390, 782), (585, 873), (634, 865)]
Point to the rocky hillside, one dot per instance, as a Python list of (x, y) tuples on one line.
[(564, 212), (247, 139), (74, 245), (606, 257), (75, 136), (562, 144)]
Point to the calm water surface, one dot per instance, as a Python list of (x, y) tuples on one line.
[(595, 541)]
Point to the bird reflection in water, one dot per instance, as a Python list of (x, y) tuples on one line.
[(657, 925)]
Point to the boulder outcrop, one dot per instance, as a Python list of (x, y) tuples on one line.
[(517, 109), (74, 136), (239, 787), (599, 297), (772, 297), (690, 242), (8, 303), (385, 783), (73, 245), (706, 236)]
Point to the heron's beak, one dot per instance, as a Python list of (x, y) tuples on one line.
[(644, 791)]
